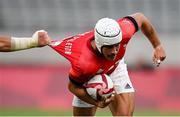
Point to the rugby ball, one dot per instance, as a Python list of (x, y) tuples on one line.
[(100, 86)]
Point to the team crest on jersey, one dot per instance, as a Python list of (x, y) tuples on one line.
[(55, 43)]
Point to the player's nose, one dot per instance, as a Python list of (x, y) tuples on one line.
[(114, 50)]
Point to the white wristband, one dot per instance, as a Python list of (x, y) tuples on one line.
[(22, 43), (25, 42)]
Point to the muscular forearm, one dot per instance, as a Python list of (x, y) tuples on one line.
[(39, 39), (8, 44), (81, 93), (150, 32), (147, 28)]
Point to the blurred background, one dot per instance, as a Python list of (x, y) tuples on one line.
[(34, 82)]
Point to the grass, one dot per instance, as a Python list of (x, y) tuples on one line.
[(100, 112)]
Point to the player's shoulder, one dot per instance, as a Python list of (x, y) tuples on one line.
[(128, 22), (128, 26)]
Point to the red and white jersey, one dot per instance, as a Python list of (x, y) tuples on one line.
[(85, 61)]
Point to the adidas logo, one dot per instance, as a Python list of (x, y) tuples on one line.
[(128, 86)]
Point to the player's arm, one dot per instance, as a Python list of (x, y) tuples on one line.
[(5, 43), (39, 39), (149, 31), (80, 92)]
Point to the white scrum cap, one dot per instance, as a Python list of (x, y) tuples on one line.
[(107, 32)]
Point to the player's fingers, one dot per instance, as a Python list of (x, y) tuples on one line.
[(108, 100), (157, 62), (112, 96), (44, 39), (43, 35), (162, 58), (103, 98)]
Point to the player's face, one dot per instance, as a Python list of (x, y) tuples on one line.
[(110, 51)]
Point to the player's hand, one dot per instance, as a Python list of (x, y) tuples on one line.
[(105, 101), (158, 55), (43, 38)]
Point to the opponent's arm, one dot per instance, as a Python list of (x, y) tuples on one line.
[(5, 43), (81, 93), (39, 39), (150, 32)]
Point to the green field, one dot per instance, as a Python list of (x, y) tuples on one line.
[(100, 112)]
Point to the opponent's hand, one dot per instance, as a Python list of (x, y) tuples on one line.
[(158, 55), (105, 101), (43, 38)]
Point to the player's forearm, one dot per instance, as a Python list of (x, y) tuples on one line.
[(39, 39), (23, 43), (81, 93), (5, 43), (8, 44), (147, 28), (149, 31)]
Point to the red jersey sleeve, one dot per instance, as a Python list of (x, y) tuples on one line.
[(128, 26), (75, 75)]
